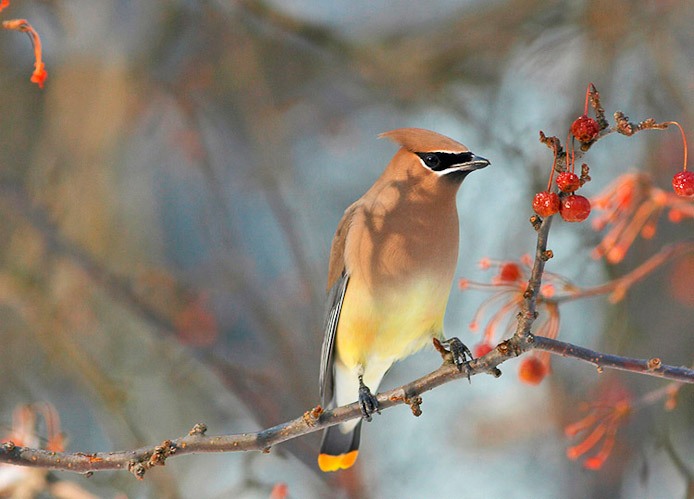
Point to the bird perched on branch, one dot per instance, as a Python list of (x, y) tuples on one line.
[(391, 269)]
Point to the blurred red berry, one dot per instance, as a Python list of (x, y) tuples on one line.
[(532, 371), (574, 208), (683, 183), (585, 129), (546, 203), (279, 491), (481, 349), (568, 182), (509, 272)]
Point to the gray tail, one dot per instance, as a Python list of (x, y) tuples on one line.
[(338, 450)]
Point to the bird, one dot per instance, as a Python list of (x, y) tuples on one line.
[(390, 273)]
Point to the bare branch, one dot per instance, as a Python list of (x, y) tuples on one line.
[(650, 367), (138, 461)]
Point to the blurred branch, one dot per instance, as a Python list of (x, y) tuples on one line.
[(138, 461), (618, 287), (686, 472), (247, 387), (314, 33), (118, 287), (421, 60)]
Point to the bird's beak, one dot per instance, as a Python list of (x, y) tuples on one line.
[(476, 163)]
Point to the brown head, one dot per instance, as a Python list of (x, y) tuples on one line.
[(437, 154)]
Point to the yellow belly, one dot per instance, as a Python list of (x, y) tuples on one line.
[(391, 327)]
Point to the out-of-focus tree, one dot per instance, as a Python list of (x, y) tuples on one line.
[(169, 197)]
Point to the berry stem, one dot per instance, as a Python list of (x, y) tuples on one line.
[(585, 109), (570, 160), (573, 154), (551, 174), (684, 140)]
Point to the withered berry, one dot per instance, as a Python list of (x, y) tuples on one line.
[(568, 182), (585, 129)]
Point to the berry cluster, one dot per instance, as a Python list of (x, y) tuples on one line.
[(576, 208), (572, 207)]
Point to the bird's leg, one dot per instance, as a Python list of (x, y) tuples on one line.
[(458, 352), (367, 400)]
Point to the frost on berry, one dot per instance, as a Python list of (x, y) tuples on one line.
[(568, 182), (546, 203), (585, 129), (683, 183), (574, 208)]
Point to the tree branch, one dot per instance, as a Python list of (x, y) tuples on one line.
[(650, 367), (138, 461)]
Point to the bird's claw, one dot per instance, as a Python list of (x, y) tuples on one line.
[(367, 401), (459, 354)]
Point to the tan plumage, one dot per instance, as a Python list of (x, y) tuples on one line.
[(391, 269)]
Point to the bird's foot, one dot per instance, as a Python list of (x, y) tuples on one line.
[(455, 352), (367, 401)]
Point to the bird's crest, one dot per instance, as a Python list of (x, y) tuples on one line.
[(420, 140)]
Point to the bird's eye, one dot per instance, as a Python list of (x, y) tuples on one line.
[(431, 160)]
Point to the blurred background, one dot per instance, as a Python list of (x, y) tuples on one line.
[(168, 200)]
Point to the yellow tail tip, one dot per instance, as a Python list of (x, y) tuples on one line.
[(333, 463)]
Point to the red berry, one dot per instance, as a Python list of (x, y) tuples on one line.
[(585, 129), (481, 349), (532, 371), (546, 203), (683, 183), (574, 208), (568, 182), (509, 272)]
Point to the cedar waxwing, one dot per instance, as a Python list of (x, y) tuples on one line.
[(391, 269)]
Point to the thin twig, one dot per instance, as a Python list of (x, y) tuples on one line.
[(650, 367)]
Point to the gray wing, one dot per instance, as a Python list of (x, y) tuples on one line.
[(336, 296)]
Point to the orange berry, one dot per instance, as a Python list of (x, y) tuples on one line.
[(532, 371), (546, 203)]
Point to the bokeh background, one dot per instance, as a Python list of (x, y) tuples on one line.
[(168, 200)]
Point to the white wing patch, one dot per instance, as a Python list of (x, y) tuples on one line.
[(336, 296)]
